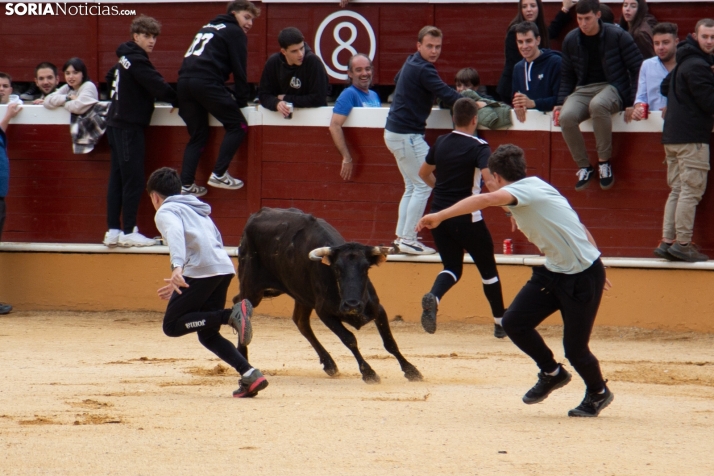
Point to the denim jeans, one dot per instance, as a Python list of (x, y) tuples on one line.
[(410, 152)]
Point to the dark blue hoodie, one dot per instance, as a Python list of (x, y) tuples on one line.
[(417, 85), (4, 166), (539, 80)]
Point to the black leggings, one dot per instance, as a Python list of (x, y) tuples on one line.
[(577, 297), (200, 308), (452, 237), (198, 98)]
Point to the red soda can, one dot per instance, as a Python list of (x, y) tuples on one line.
[(508, 246), (556, 118), (645, 110)]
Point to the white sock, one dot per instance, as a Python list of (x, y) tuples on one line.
[(601, 391), (498, 320), (437, 300), (247, 374), (553, 374)]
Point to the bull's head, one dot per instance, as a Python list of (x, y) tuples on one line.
[(350, 263)]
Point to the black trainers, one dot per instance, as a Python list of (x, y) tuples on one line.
[(498, 331), (663, 251), (689, 252), (240, 321), (428, 315), (250, 386), (585, 175), (592, 404), (607, 180), (546, 384), (5, 308)]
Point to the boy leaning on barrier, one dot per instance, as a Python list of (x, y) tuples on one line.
[(200, 274), (10, 112)]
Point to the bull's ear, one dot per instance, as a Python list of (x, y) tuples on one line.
[(326, 260), (379, 255)]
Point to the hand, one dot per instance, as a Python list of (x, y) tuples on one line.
[(428, 221), (664, 111), (520, 113), (283, 108), (71, 96), (12, 110), (281, 96), (343, 3), (523, 101), (567, 5), (608, 285), (514, 225), (628, 114), (175, 283), (173, 109), (638, 112), (38, 101), (346, 172)]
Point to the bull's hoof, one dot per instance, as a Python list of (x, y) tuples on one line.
[(413, 375), (331, 370), (371, 377)]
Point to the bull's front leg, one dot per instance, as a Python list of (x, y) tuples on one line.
[(410, 372), (301, 318)]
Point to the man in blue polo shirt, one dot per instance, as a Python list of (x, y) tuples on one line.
[(360, 72)]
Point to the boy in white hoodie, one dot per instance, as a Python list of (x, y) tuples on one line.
[(201, 273)]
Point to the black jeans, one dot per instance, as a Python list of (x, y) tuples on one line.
[(198, 98), (577, 297), (126, 177), (200, 308)]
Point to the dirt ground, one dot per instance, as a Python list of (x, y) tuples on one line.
[(108, 393)]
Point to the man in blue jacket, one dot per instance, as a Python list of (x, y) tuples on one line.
[(536, 78), (10, 112), (418, 84)]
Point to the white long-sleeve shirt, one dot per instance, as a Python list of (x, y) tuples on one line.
[(87, 96)]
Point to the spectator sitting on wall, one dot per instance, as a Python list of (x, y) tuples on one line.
[(10, 112), (46, 82), (135, 84), (294, 76), (598, 78), (529, 10), (360, 72), (79, 94), (218, 49), (686, 134), (637, 22), (654, 70), (5, 88), (536, 78)]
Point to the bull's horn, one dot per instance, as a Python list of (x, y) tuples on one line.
[(318, 253), (385, 250)]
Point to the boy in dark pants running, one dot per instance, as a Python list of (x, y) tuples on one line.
[(201, 273), (218, 49), (571, 281), (460, 159)]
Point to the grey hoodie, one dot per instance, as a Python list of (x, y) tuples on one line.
[(194, 241)]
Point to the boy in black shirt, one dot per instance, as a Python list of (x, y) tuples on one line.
[(135, 85), (218, 49), (460, 159)]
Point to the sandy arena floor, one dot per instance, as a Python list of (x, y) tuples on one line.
[(108, 393)]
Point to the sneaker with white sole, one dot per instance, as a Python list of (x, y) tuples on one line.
[(193, 189), (607, 180), (225, 181), (585, 174), (111, 237), (413, 247), (135, 239), (248, 387), (240, 321)]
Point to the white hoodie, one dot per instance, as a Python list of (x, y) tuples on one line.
[(194, 241)]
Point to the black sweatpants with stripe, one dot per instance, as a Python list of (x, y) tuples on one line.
[(577, 297), (200, 308), (452, 237)]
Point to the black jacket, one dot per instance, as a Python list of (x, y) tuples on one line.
[(621, 60), (219, 49), (304, 85), (689, 88), (418, 84), (135, 85)]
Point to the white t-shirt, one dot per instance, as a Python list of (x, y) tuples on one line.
[(550, 223)]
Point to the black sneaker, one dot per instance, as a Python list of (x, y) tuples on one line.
[(546, 384), (585, 175), (498, 331), (5, 308), (663, 251), (428, 315), (592, 404), (689, 252), (607, 180), (32, 93)]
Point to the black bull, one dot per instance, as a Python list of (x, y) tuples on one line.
[(290, 252)]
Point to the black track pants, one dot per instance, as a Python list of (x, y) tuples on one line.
[(126, 177)]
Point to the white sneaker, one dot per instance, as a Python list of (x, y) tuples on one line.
[(135, 239), (193, 189), (413, 247), (225, 181), (111, 237)]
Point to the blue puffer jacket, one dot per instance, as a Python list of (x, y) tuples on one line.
[(4, 165), (621, 60)]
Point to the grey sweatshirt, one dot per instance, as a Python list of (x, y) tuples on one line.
[(194, 241)]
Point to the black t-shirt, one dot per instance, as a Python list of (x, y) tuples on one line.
[(595, 71), (458, 159)]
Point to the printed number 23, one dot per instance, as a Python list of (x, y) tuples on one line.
[(199, 43)]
